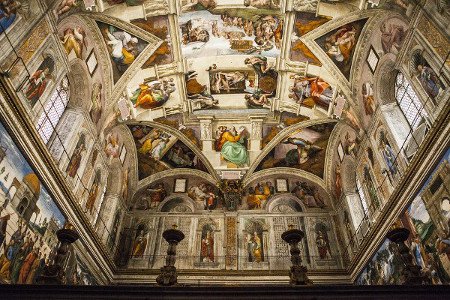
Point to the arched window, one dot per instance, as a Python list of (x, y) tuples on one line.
[(408, 101), (102, 198), (362, 197), (53, 110)]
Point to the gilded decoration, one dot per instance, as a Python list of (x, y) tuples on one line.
[(231, 119)]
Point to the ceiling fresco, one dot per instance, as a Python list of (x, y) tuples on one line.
[(123, 47), (231, 119), (340, 44), (228, 77), (305, 149), (304, 23), (221, 74), (158, 150), (214, 32)]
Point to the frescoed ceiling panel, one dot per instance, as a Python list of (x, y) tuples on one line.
[(340, 44), (305, 149), (230, 31), (158, 26), (230, 84), (158, 150), (123, 47), (304, 23), (192, 108)]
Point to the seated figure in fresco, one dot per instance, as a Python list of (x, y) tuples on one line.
[(311, 91), (74, 39), (262, 68), (8, 13), (154, 143), (198, 93), (310, 196), (231, 145), (124, 47), (157, 194), (259, 194), (203, 193), (153, 94), (180, 157), (258, 99), (305, 151), (392, 36), (340, 44)]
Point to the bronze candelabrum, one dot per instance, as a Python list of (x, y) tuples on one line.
[(168, 274), (54, 273), (412, 273), (297, 273)]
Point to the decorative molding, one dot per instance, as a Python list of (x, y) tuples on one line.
[(144, 183)]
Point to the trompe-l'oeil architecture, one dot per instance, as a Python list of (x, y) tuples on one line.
[(235, 121)]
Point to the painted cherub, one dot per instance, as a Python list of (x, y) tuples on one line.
[(64, 6)]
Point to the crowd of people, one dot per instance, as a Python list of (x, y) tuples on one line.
[(265, 32), (23, 259)]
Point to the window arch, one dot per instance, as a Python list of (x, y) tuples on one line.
[(408, 101), (362, 197), (53, 110)]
